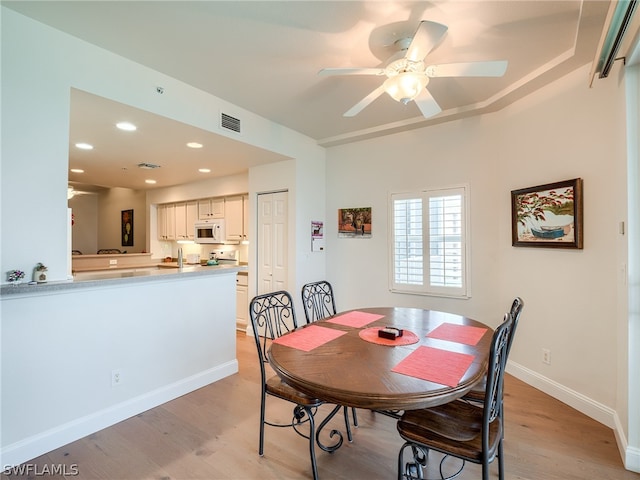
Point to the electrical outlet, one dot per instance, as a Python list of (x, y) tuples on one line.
[(546, 356), (116, 377), (113, 261)]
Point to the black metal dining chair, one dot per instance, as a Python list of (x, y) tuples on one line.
[(477, 393), (319, 303), (273, 315), (461, 429)]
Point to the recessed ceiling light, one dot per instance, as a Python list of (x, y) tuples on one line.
[(204, 170), (194, 145), (150, 181), (129, 127), (77, 170), (84, 146)]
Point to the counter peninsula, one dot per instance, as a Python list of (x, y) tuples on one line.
[(162, 332)]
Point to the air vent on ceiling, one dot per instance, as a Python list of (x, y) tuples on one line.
[(148, 166), (230, 123)]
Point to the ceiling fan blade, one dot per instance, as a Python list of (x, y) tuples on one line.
[(468, 69), (427, 104), (351, 71), (358, 107), (427, 36)]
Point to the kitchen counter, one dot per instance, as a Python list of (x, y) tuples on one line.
[(103, 278), (164, 331)]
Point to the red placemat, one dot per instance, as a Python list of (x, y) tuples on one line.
[(306, 339), (466, 334), (435, 365), (371, 335), (355, 319)]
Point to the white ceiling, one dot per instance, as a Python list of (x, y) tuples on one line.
[(265, 56)]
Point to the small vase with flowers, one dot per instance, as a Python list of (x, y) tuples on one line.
[(14, 277)]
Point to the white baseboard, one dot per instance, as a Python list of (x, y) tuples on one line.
[(44, 442), (601, 413), (595, 410)]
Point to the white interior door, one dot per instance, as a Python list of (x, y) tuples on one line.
[(272, 242)]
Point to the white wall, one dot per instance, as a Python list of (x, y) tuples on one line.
[(363, 174), (85, 227), (97, 220), (631, 392), (572, 297), (110, 207), (564, 131)]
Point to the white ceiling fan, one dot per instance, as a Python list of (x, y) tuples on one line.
[(72, 192), (408, 75)]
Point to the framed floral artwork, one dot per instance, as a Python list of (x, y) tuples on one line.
[(548, 215)]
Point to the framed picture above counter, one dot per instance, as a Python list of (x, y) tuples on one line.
[(127, 228)]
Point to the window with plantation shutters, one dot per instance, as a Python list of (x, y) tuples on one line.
[(428, 237)]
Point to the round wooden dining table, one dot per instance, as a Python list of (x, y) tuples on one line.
[(356, 368)]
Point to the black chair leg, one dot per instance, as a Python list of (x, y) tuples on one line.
[(347, 424), (262, 415), (312, 440), (355, 417), (500, 461)]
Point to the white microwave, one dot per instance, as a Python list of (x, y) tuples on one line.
[(210, 231)]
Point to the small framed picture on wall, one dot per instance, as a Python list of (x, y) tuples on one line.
[(354, 222), (127, 228)]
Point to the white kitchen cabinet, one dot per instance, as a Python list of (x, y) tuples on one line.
[(185, 215), (211, 208), (242, 302), (181, 221), (166, 222), (192, 216), (234, 218)]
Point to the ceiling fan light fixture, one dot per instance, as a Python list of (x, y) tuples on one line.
[(405, 86)]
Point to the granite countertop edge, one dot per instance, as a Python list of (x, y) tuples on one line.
[(116, 278)]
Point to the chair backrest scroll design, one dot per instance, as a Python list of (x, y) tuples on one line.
[(318, 301), (272, 315)]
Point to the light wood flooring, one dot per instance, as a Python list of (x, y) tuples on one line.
[(212, 433)]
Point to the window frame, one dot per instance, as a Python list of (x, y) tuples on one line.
[(462, 292)]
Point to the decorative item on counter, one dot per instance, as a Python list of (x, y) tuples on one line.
[(213, 259), (15, 276), (40, 273)]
